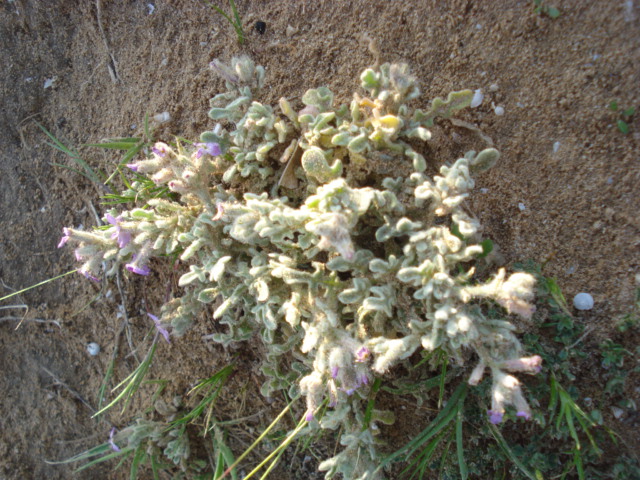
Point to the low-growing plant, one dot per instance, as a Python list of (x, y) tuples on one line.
[(540, 7), (624, 116), (354, 261), (234, 20), (317, 230)]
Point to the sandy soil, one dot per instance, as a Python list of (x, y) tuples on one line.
[(565, 191)]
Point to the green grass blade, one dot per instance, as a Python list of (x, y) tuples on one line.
[(260, 438), (278, 451), (371, 403), (138, 457), (508, 452), (116, 143), (86, 169), (462, 464), (132, 382), (443, 375), (37, 285), (444, 417)]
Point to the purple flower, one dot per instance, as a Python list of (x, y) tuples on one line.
[(133, 166), (362, 354), (309, 416), (84, 271), (65, 238), (212, 149), (334, 371), (137, 264), (114, 447), (525, 415), (159, 150), (159, 327), (139, 269), (495, 417), (122, 235)]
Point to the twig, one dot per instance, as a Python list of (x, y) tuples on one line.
[(586, 332), (36, 320), (126, 325), (111, 65), (69, 389)]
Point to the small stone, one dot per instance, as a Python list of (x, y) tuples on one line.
[(494, 87), (291, 31), (522, 207), (617, 412), (583, 301), (93, 349), (49, 82), (499, 111), (556, 147), (163, 117), (260, 27)]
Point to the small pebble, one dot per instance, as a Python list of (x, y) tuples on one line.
[(484, 190), (617, 412), (499, 111), (556, 147), (260, 27), (583, 301), (93, 349), (522, 207), (291, 31), (163, 117), (494, 87)]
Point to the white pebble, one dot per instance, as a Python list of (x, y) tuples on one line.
[(583, 301), (49, 82), (163, 117), (93, 349), (522, 207), (499, 111), (494, 87), (556, 147), (477, 98), (617, 412)]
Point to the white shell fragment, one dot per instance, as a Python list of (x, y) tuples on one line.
[(163, 117), (499, 111), (93, 349), (556, 147), (477, 98), (583, 301), (49, 82)]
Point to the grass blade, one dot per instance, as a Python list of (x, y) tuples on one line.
[(508, 452), (464, 472)]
